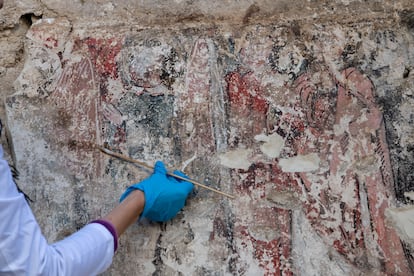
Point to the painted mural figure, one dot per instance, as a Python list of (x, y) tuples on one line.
[(192, 100), (262, 230), (346, 197), (347, 200)]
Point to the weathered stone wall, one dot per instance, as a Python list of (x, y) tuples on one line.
[(302, 111)]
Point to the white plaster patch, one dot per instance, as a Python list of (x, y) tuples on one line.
[(409, 195), (348, 195), (310, 250), (403, 221), (343, 125), (236, 159), (272, 146), (300, 163)]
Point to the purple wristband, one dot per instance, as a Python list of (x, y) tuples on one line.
[(110, 228)]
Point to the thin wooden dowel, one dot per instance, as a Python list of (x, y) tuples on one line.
[(131, 160)]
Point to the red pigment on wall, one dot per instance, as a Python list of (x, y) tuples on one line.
[(244, 92), (103, 53)]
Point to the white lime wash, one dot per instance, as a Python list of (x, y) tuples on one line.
[(236, 159), (272, 145), (300, 163)]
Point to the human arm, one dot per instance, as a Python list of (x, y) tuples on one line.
[(25, 251), (158, 198), (89, 251), (127, 212)]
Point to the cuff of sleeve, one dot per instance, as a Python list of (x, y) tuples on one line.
[(111, 230)]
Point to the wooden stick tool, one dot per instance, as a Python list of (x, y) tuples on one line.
[(142, 164)]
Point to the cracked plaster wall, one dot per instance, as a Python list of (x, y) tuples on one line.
[(280, 103)]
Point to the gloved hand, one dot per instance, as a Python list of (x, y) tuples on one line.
[(164, 195)]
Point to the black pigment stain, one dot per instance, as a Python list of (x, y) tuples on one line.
[(402, 159), (406, 72), (152, 113), (168, 72), (295, 28), (274, 57), (157, 261), (408, 254)]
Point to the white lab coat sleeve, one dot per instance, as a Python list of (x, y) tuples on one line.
[(25, 251), (89, 251), (7, 186)]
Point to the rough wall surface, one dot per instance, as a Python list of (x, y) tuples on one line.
[(303, 112)]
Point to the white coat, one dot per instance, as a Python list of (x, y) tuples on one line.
[(25, 251)]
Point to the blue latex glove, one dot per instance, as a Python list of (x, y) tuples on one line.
[(164, 195)]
